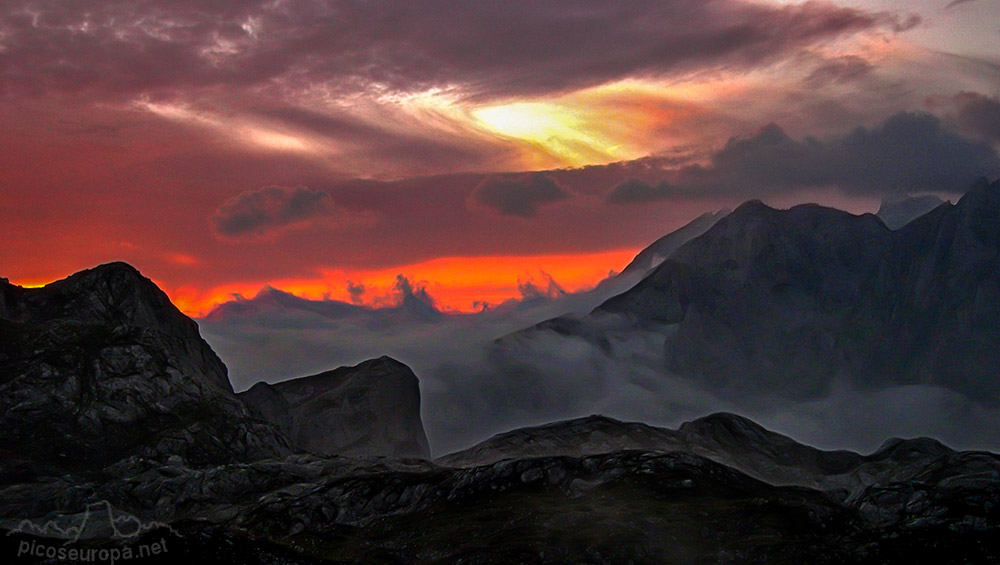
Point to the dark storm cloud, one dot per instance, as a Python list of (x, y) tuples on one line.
[(519, 196), (909, 152), (480, 49), (979, 114), (256, 212)]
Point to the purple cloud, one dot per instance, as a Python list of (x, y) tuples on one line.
[(476, 49), (257, 212), (519, 196)]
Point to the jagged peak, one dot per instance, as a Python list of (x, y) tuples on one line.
[(109, 270), (754, 206), (982, 193), (117, 272)]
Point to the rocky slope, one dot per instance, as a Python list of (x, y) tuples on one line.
[(370, 409), (648, 506), (101, 366)]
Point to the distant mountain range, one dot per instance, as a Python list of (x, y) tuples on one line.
[(789, 300)]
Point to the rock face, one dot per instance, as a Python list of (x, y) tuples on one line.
[(101, 366), (787, 300), (370, 409)]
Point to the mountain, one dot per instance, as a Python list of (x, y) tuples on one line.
[(727, 439), (897, 212), (271, 299), (788, 300), (372, 408), (101, 366), (278, 305), (658, 251)]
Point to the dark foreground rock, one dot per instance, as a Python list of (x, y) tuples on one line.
[(644, 506)]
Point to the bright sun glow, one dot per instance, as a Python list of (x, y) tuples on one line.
[(553, 128)]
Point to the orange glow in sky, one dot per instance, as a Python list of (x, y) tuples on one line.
[(456, 283)]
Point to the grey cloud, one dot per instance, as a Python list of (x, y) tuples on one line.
[(979, 114), (519, 196), (478, 49), (473, 387), (531, 290), (908, 153), (635, 190), (356, 292), (256, 212), (957, 3)]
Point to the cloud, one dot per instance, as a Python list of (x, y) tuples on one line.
[(477, 49), (356, 292), (841, 70), (519, 196), (957, 3), (257, 212), (531, 290), (979, 114), (909, 152), (472, 387), (635, 190)]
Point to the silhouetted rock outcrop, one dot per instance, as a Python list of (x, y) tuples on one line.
[(101, 366), (370, 409)]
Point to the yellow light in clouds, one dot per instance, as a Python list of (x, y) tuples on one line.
[(556, 129)]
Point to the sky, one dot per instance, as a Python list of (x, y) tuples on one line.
[(476, 148)]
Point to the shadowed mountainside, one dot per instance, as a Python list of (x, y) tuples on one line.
[(787, 301)]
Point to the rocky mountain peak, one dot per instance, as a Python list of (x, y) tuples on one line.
[(100, 366)]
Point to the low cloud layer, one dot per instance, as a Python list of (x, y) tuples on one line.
[(473, 387), (267, 209), (909, 152), (519, 196)]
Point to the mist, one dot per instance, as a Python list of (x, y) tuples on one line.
[(479, 375)]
